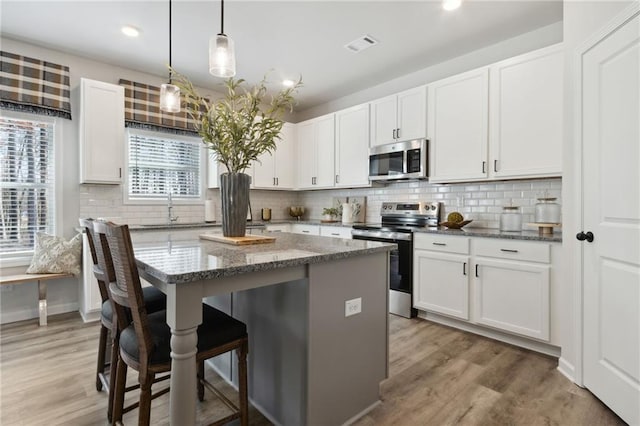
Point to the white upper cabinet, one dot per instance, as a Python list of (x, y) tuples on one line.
[(399, 117), (526, 104), (101, 132), (458, 117), (316, 151), (352, 147), (277, 170)]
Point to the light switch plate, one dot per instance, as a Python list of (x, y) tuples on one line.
[(352, 307)]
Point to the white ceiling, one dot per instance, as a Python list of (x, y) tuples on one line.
[(290, 37)]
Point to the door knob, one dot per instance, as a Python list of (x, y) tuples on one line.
[(581, 236)]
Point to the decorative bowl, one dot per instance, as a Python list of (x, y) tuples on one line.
[(455, 225), (296, 211)]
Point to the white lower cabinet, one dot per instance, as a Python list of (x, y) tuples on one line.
[(441, 275), (503, 284), (280, 227)]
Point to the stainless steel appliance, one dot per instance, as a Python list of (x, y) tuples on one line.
[(400, 160), (398, 222)]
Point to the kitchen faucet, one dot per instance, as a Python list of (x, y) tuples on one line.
[(170, 219)]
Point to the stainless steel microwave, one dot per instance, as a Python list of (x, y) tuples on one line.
[(400, 160)]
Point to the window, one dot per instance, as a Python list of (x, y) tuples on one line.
[(27, 200), (159, 164)]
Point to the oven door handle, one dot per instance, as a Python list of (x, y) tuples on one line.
[(380, 236)]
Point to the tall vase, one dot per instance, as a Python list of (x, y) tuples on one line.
[(234, 197)]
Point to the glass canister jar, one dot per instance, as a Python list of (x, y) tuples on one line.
[(547, 211), (511, 219)]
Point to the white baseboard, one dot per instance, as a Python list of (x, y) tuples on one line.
[(32, 313), (567, 369), (523, 342), (90, 316)]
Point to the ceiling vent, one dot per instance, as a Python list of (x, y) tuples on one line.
[(361, 43)]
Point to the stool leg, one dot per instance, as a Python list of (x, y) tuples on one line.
[(42, 301), (115, 349), (102, 347), (200, 379), (242, 383)]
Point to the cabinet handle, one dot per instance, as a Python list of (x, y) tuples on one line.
[(120, 172), (305, 232), (509, 250), (484, 165), (495, 165), (394, 133), (274, 181), (439, 244), (335, 233), (397, 133), (337, 178), (477, 270), (464, 268), (277, 182)]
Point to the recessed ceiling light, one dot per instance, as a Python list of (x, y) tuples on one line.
[(451, 4), (130, 31), (288, 83)]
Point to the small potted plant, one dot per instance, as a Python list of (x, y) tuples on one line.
[(330, 214)]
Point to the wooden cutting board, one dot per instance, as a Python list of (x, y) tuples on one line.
[(238, 241)]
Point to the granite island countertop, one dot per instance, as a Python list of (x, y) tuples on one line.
[(178, 256)]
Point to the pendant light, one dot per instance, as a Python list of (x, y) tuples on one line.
[(222, 56), (170, 93)]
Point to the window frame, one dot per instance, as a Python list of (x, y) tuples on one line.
[(176, 200), (23, 258)]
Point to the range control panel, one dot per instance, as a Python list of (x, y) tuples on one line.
[(420, 208)]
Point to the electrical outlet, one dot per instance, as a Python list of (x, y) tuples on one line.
[(352, 307)]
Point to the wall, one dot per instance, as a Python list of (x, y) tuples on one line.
[(581, 20), (480, 201)]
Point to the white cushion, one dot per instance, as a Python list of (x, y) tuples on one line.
[(56, 255)]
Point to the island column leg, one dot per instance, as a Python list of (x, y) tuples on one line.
[(184, 314)]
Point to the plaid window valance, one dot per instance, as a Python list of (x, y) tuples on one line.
[(142, 110), (35, 86)]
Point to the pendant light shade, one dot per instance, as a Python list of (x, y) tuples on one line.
[(169, 93), (222, 54), (169, 98)]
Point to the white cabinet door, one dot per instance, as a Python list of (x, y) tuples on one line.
[(352, 147), (285, 167), (303, 228), (336, 231), (306, 154), (441, 283), (412, 114), (263, 171), (512, 296), (316, 139), (526, 118), (325, 152), (458, 117), (101, 132), (384, 120), (399, 117)]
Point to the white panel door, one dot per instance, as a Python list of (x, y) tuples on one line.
[(441, 283), (384, 120), (512, 296), (285, 170), (611, 211), (352, 146), (306, 154), (459, 152), (325, 152), (412, 114), (526, 111), (263, 171)]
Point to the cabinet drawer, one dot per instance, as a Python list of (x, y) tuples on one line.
[(441, 243), (335, 231), (510, 249), (283, 227), (299, 228)]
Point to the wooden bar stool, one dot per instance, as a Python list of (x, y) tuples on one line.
[(145, 343)]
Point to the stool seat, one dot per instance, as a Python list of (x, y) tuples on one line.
[(154, 300), (217, 329)]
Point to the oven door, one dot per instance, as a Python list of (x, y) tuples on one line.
[(400, 273)]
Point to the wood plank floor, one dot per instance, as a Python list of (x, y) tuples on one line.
[(439, 376)]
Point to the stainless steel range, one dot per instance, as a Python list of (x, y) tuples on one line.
[(398, 221)]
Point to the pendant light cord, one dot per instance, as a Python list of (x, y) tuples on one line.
[(222, 17), (170, 44)]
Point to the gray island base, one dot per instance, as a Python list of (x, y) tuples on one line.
[(309, 363)]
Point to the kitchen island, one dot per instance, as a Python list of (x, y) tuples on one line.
[(309, 363)]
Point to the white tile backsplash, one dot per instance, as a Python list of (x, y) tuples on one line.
[(481, 202)]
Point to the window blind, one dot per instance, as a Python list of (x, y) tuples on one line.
[(159, 165), (27, 200)]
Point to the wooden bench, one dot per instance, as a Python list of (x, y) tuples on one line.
[(42, 288)]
